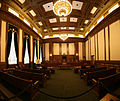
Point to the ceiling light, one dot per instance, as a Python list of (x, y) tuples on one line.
[(86, 33), (91, 27), (47, 36), (71, 35), (100, 19), (113, 8), (72, 28), (21, 1), (73, 19), (63, 37), (53, 20), (35, 29), (40, 23), (40, 35), (27, 22), (45, 30), (55, 35), (63, 19), (77, 5), (81, 29), (54, 28), (86, 21), (81, 36), (62, 8), (93, 10), (13, 12), (63, 27), (32, 13), (48, 6)]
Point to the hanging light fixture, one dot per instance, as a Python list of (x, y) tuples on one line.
[(63, 37), (62, 8)]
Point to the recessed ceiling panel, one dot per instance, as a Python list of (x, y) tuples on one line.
[(63, 19), (53, 20), (48, 6), (77, 5), (73, 19)]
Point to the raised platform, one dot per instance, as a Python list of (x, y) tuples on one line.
[(65, 66)]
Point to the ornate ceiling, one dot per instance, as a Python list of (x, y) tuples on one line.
[(39, 13)]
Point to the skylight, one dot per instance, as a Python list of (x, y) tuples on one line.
[(32, 13), (93, 10), (13, 12)]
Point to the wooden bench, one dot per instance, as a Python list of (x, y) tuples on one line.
[(98, 74), (45, 71), (82, 71), (30, 76), (18, 84), (112, 82)]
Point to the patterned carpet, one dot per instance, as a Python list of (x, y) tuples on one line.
[(65, 83)]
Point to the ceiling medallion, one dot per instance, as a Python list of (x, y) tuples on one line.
[(63, 37), (62, 8)]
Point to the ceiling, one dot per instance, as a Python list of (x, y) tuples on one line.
[(47, 23)]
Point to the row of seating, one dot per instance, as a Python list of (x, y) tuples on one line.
[(103, 77), (21, 78), (18, 84)]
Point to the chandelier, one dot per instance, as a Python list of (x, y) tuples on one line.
[(62, 8), (63, 37)]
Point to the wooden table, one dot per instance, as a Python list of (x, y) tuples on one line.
[(109, 97)]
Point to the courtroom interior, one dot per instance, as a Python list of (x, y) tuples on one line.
[(59, 50)]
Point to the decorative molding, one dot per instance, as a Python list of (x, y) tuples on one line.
[(13, 20), (58, 40), (112, 17)]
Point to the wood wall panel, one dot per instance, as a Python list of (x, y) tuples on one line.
[(114, 41), (80, 51), (3, 41), (47, 51), (101, 45)]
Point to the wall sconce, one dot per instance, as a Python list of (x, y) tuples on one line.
[(76, 54), (50, 54)]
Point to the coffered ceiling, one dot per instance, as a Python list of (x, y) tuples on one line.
[(40, 14)]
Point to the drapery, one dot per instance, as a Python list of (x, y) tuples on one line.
[(26, 55), (12, 59)]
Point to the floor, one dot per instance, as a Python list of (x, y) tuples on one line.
[(65, 83)]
